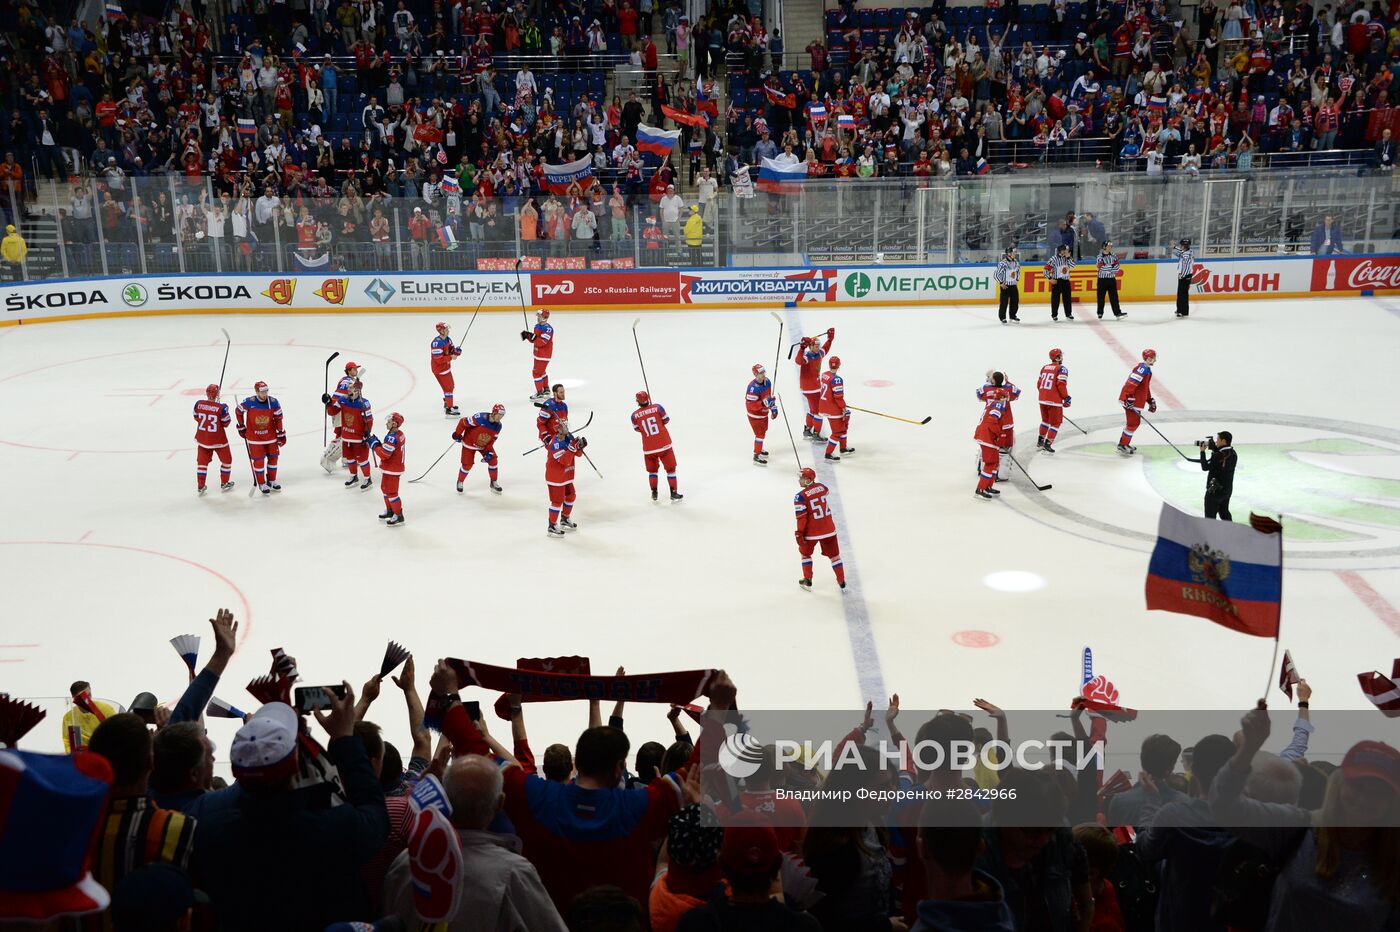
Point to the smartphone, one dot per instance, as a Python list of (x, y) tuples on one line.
[(473, 710), (309, 698)]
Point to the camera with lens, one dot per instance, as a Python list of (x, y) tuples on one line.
[(1206, 444)]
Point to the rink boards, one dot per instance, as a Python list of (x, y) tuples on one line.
[(664, 289)]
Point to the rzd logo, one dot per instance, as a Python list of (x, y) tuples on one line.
[(857, 284), (545, 291), (332, 290), (281, 290)]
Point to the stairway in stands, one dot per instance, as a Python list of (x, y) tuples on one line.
[(802, 22)]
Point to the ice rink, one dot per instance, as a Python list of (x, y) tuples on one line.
[(107, 552)]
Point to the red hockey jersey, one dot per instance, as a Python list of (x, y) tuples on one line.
[(210, 419), (1053, 383), (650, 421), (814, 518)]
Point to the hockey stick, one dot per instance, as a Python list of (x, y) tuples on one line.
[(890, 416), (521, 289), (228, 343), (1076, 426), (792, 347), (326, 390), (643, 365), (1164, 437), (479, 303), (435, 462), (590, 462), (579, 431), (777, 352), (1038, 488), (783, 409)]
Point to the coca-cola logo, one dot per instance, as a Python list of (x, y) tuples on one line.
[(1369, 274)]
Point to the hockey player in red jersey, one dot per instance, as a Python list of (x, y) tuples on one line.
[(1053, 384), (390, 451), (988, 435), (1008, 392), (831, 404), (210, 418), (478, 434), (559, 477), (356, 419), (542, 336), (554, 410), (809, 372), (816, 525), (333, 452), (650, 421), (1137, 392), (759, 403), (443, 351), (260, 423)]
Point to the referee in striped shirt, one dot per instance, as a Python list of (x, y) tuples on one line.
[(1057, 269), (1108, 279), (1185, 267), (1008, 275)]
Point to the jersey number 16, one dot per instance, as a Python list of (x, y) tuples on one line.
[(649, 426)]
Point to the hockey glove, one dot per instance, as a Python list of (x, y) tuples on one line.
[(325, 399), (527, 335), (243, 432), (581, 441), (773, 413), (456, 438), (1067, 399), (372, 440), (1152, 405), (831, 333), (1128, 403), (281, 438)]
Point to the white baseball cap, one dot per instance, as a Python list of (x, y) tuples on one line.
[(264, 749)]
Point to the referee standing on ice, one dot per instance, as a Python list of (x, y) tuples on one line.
[(1220, 478), (1185, 267), (1008, 276), (1108, 279), (1057, 269)]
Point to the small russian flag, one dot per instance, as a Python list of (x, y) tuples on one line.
[(846, 121), (115, 11), (817, 113), (1157, 104), (247, 127), (983, 166), (450, 185)]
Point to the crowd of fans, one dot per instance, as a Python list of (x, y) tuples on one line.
[(942, 91), (612, 834)]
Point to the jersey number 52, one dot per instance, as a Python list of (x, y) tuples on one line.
[(819, 509)]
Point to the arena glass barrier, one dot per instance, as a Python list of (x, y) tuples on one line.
[(568, 289)]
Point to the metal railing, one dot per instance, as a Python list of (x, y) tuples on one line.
[(164, 225)]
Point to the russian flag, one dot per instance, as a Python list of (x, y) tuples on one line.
[(1157, 104), (846, 121), (115, 11), (558, 177), (247, 127), (656, 141), (1228, 573), (680, 116), (449, 185), (817, 112), (983, 166), (779, 178)]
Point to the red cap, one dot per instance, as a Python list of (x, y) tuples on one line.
[(1373, 759), (750, 845), (351, 366)]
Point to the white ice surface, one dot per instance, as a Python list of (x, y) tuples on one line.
[(106, 552)]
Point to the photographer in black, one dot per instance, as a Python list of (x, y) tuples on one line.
[(1220, 482)]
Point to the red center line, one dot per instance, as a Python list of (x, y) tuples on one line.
[(1377, 603)]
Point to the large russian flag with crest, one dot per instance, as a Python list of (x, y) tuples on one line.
[(1226, 572), (777, 178)]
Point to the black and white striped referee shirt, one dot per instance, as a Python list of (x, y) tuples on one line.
[(1108, 265), (1059, 267), (1008, 272), (1185, 262)]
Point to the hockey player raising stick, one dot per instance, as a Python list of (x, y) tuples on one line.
[(478, 434), (390, 451), (333, 452), (554, 410), (1137, 391), (559, 477), (831, 404), (543, 339), (809, 372), (260, 423), (355, 417), (988, 435), (1007, 391), (650, 421), (1053, 384), (211, 417), (815, 525), (758, 401), (443, 352)]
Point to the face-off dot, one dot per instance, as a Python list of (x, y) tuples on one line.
[(975, 638), (877, 383)]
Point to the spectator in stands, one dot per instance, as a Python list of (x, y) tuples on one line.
[(1327, 237), (694, 234), (1385, 151), (671, 206), (950, 839), (14, 250), (750, 859), (1158, 757)]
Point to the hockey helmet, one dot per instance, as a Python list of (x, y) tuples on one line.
[(442, 326), (259, 387), (211, 391), (1186, 244), (396, 417), (834, 363), (1148, 355), (758, 369), (1056, 354), (643, 398), (542, 314), (807, 476), (498, 410)]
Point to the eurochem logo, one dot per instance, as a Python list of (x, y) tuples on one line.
[(379, 291), (857, 284), (134, 294), (741, 755)]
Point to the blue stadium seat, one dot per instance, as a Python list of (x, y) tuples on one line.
[(833, 19), (866, 18)]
